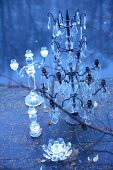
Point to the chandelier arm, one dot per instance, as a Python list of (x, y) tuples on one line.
[(50, 14), (61, 49), (104, 89), (93, 68), (51, 76), (53, 97), (66, 81), (62, 68), (65, 101), (70, 26), (22, 71), (83, 14), (97, 91), (74, 95), (81, 80), (81, 102), (85, 71), (36, 63), (83, 41), (46, 76), (81, 74)]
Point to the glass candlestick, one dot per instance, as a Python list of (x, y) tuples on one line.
[(33, 99)]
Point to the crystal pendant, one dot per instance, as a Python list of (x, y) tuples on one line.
[(74, 30), (55, 31), (52, 46), (55, 117), (49, 23), (84, 22), (60, 17), (87, 120), (97, 73), (80, 32), (78, 17), (69, 45)]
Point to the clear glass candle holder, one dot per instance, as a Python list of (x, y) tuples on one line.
[(57, 150)]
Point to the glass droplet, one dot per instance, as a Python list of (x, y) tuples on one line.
[(55, 30), (80, 32), (60, 18), (49, 23), (78, 17), (84, 22)]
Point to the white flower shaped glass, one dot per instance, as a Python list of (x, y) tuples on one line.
[(57, 150)]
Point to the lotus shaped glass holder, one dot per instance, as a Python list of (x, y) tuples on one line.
[(57, 150)]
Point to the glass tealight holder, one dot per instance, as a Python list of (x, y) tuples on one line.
[(57, 150), (44, 52), (14, 65)]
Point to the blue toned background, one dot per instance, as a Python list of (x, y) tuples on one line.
[(23, 25)]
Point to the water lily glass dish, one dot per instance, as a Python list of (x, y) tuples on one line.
[(57, 150)]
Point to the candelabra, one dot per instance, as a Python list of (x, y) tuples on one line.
[(33, 99), (70, 84)]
